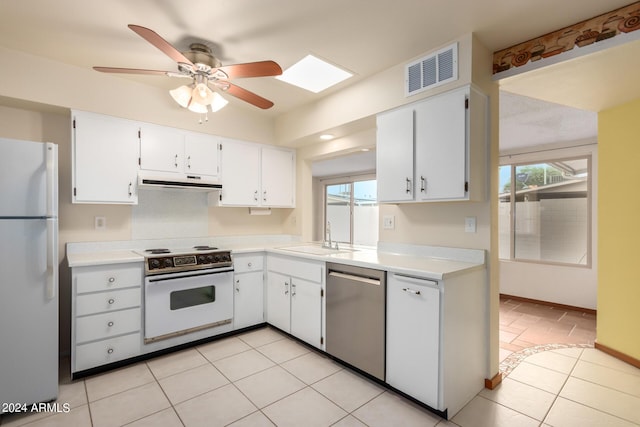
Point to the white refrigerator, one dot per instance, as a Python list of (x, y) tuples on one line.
[(28, 272)]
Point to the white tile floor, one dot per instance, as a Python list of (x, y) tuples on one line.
[(263, 378)]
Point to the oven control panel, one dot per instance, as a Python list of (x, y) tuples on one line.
[(167, 263)]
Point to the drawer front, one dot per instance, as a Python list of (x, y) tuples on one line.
[(302, 269), (106, 325), (106, 351), (248, 263), (103, 278), (107, 301)]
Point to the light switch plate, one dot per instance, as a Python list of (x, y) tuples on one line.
[(470, 224), (100, 222), (388, 222)]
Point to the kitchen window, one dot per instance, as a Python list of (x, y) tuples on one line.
[(351, 211), (544, 211)]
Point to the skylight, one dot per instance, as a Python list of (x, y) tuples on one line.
[(313, 74)]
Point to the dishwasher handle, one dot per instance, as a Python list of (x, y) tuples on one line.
[(416, 280), (366, 280)]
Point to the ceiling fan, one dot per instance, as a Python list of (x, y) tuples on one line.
[(203, 68)]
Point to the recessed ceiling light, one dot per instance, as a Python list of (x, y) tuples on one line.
[(326, 137), (313, 74)]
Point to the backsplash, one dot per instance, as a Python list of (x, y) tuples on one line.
[(166, 214)]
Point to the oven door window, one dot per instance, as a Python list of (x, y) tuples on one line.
[(192, 297)]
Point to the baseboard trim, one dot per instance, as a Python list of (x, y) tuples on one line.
[(550, 304), (493, 382), (617, 354)]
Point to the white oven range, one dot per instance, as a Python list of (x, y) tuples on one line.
[(186, 291)]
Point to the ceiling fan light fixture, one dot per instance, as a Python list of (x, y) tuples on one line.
[(197, 107), (182, 95), (218, 102), (202, 94)]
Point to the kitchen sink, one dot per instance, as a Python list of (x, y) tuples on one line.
[(317, 249)]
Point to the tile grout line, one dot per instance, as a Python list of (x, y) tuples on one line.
[(555, 399)]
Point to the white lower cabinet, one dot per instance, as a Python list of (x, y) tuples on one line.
[(295, 291), (248, 296), (436, 338), (106, 351), (106, 314), (413, 335)]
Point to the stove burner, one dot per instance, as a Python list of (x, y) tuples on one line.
[(204, 248), (156, 251)]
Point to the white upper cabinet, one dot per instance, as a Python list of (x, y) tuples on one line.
[(161, 148), (201, 153), (166, 149), (394, 169), (255, 175), (440, 156), (240, 164), (278, 172), (105, 159), (435, 149)]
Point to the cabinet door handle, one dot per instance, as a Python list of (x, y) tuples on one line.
[(286, 288), (110, 324), (264, 196), (111, 301), (111, 280), (238, 285), (175, 161), (189, 162), (249, 264), (130, 193), (255, 195), (411, 291), (293, 289), (110, 350), (408, 185), (423, 184)]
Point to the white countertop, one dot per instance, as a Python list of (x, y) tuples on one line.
[(404, 259)]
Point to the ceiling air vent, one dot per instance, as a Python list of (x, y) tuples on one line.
[(433, 70)]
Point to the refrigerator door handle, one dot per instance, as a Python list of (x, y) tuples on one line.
[(52, 179), (52, 259)]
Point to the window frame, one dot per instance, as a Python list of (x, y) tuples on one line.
[(548, 158), (350, 179)]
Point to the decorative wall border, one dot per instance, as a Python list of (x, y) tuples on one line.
[(606, 26)]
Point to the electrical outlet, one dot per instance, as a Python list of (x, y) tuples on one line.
[(100, 222), (389, 222), (470, 224)]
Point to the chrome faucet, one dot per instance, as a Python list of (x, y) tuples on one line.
[(327, 242)]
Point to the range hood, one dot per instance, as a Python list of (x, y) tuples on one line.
[(159, 180)]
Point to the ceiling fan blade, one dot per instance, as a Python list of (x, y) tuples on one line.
[(131, 71), (155, 39), (248, 96), (252, 69)]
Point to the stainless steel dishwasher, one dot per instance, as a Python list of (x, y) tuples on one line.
[(355, 317)]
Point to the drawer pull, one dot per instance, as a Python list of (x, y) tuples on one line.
[(411, 291), (111, 301), (112, 279), (109, 350), (110, 324), (249, 265)]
